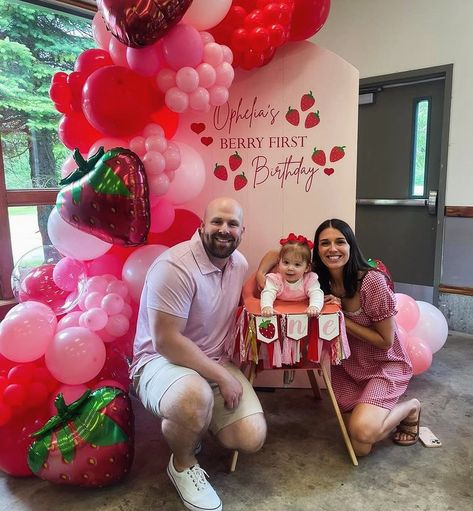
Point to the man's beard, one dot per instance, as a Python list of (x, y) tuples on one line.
[(216, 249)]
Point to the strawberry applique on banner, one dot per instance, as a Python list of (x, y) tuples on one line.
[(240, 181), (88, 443), (293, 117), (266, 329), (107, 196), (337, 153), (220, 172), (234, 161), (307, 101)]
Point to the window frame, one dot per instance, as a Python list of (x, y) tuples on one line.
[(412, 176)]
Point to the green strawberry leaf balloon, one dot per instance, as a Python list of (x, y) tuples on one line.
[(107, 196)]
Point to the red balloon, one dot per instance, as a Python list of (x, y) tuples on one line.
[(117, 101), (14, 395), (139, 24), (75, 132), (92, 59), (21, 373), (182, 229), (76, 82), (15, 440), (308, 18)]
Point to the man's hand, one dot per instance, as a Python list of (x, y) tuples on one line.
[(231, 391)]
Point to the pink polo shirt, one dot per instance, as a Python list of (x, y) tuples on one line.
[(184, 283)]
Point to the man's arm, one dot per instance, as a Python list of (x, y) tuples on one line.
[(168, 340)]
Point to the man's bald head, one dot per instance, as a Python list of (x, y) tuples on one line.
[(224, 204)]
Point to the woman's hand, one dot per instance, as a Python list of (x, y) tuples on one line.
[(333, 299)]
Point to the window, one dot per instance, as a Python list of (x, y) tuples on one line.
[(36, 41), (419, 147)]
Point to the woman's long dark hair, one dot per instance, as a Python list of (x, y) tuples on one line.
[(355, 264)]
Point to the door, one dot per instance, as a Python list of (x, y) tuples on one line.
[(400, 181)]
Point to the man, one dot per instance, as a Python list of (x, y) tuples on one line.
[(180, 368)]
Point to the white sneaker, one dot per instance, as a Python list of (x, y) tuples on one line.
[(194, 489)]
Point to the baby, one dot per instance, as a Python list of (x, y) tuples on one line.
[(293, 281)]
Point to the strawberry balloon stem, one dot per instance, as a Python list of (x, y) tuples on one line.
[(84, 166)]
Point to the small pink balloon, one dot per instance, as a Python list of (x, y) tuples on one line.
[(112, 303), (68, 273), (145, 61), (218, 95), (199, 100), (166, 79), (107, 143), (93, 299), (127, 310), (172, 155), (68, 166), (153, 130), (99, 32), (419, 353), (158, 185), (117, 325), (69, 320), (137, 145), (119, 287), (182, 46), (187, 79), (206, 37), (70, 393), (213, 54), (105, 336), (75, 355), (108, 263), (408, 311), (109, 383), (94, 319), (176, 100), (117, 51), (225, 74), (207, 75), (402, 334), (162, 215), (227, 54), (156, 143), (154, 163), (97, 283)]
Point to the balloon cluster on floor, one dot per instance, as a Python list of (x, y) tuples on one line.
[(423, 330), (64, 349)]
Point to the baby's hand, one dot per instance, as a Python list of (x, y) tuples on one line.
[(267, 311), (313, 312)]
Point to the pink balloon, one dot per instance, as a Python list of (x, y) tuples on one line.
[(94, 319), (107, 143), (420, 354), (70, 393), (162, 215), (432, 326), (156, 143), (213, 54), (75, 355), (154, 163), (25, 334), (187, 79), (207, 75), (189, 178), (176, 100), (402, 334), (112, 303), (224, 74), (68, 166), (97, 283), (99, 32), (117, 51), (166, 79), (145, 61), (69, 320), (42, 308), (136, 267), (137, 145), (408, 311), (199, 100), (158, 185), (93, 299), (69, 273), (218, 95), (117, 325), (182, 46), (108, 263), (227, 54), (172, 155), (153, 130), (206, 37)]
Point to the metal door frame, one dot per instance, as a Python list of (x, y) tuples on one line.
[(412, 77)]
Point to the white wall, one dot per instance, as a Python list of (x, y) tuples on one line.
[(388, 36)]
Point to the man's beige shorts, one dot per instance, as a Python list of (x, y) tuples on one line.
[(158, 375)]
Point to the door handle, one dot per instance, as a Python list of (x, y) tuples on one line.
[(431, 202)]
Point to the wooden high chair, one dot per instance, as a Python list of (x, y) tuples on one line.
[(251, 308)]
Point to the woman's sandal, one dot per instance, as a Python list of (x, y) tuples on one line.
[(405, 428)]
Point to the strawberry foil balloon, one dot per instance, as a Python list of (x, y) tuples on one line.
[(139, 23), (107, 196), (88, 443)]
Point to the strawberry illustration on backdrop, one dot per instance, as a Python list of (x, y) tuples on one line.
[(337, 153), (318, 157), (220, 172), (312, 119), (107, 196), (267, 329), (307, 100), (234, 161), (240, 181), (88, 443), (292, 116)]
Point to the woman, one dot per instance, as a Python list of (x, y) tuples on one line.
[(370, 382)]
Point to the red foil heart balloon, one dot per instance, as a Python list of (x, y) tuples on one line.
[(139, 23), (107, 196)]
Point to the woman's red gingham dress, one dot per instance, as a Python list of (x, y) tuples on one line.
[(372, 375)]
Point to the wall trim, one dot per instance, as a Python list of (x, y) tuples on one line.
[(455, 290), (459, 211)]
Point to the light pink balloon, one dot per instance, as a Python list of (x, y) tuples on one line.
[(112, 303), (117, 51), (218, 95), (158, 185), (166, 79), (69, 320), (225, 74), (205, 14), (100, 33), (94, 319), (97, 283), (156, 143), (127, 310), (136, 267), (118, 287), (107, 143), (105, 336), (172, 155), (420, 354), (25, 334), (72, 242), (117, 325), (432, 326), (199, 100), (162, 215), (154, 163), (213, 54), (182, 46), (187, 79), (145, 61), (176, 100), (207, 75), (75, 355), (227, 54), (42, 308), (108, 263), (70, 393), (137, 145), (189, 179), (206, 37), (408, 311), (402, 334), (93, 299), (153, 130), (68, 272), (68, 166)]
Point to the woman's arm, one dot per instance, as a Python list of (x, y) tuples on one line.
[(269, 260), (381, 335)]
